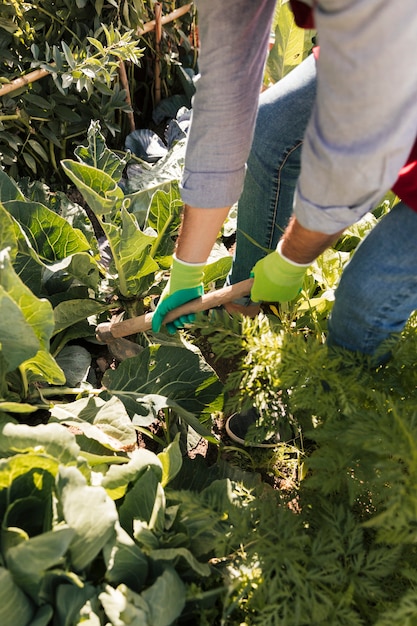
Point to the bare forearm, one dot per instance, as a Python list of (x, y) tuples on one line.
[(199, 231), (303, 246)]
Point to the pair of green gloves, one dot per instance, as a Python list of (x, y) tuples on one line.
[(276, 279)]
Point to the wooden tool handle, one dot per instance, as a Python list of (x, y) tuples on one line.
[(142, 323)]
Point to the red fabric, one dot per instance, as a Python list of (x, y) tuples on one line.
[(303, 14), (406, 186)]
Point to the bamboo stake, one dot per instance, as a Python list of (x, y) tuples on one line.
[(125, 84), (169, 17), (17, 83), (158, 37)]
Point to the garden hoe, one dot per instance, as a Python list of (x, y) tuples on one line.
[(112, 333)]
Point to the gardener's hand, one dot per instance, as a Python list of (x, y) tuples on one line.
[(185, 284), (276, 278)]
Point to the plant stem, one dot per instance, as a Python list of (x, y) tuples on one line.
[(67, 391), (142, 430), (25, 383), (7, 118)]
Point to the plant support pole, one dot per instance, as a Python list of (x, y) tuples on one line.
[(23, 81), (170, 17), (158, 37), (125, 84)]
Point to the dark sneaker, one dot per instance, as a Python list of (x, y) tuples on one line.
[(238, 425)]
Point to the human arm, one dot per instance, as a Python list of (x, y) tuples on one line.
[(233, 46), (234, 38), (364, 121), (278, 277), (198, 232)]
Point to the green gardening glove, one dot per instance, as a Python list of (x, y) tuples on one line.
[(185, 284), (277, 279)]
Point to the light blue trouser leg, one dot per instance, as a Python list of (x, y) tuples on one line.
[(378, 288), (273, 167)]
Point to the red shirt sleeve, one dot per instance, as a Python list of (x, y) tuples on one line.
[(406, 186), (303, 14)]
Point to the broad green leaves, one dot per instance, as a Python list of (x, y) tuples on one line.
[(26, 326), (61, 522), (102, 193), (15, 606), (166, 377), (292, 44)]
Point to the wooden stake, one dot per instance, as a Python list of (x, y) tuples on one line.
[(169, 17), (125, 84), (158, 37), (17, 83)]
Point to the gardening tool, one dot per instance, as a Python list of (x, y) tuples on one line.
[(111, 333)]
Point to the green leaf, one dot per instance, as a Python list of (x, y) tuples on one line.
[(105, 422), (99, 156), (70, 312), (218, 269), (99, 190), (38, 312), (9, 189), (123, 606), (68, 55), (70, 599), (50, 235), (43, 367), (15, 606), (53, 440), (164, 217), (18, 341), (30, 161), (39, 149), (75, 362), (169, 371), (145, 502), (8, 235), (80, 267), (288, 50), (171, 459), (144, 182), (131, 254), (38, 101), (168, 585), (94, 524), (127, 563), (171, 555), (17, 407), (118, 478), (29, 560), (34, 316)]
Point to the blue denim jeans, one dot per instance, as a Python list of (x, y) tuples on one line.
[(378, 289), (266, 203)]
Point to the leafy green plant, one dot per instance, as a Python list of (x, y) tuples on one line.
[(76, 50), (140, 550)]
